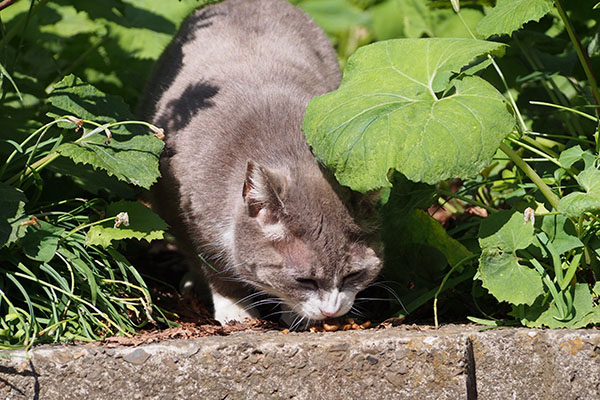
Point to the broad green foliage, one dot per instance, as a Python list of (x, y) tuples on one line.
[(129, 156), (573, 154), (427, 231), (510, 15), (416, 18), (561, 233), (12, 206), (424, 108), (55, 285), (584, 311), (335, 16), (110, 44), (407, 114), (578, 203), (41, 244), (143, 224), (500, 236)]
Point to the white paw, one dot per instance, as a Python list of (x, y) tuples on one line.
[(227, 310)]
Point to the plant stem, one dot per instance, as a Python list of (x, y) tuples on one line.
[(41, 163), (513, 103), (24, 142), (435, 297), (585, 115), (468, 200), (535, 147), (80, 227), (583, 57), (531, 174), (573, 126), (15, 29)]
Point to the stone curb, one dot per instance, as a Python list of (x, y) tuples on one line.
[(454, 362)]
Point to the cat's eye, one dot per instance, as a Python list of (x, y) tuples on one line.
[(351, 277), (306, 283)]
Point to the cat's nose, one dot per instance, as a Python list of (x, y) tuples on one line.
[(328, 314)]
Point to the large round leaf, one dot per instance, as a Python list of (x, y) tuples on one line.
[(500, 236), (398, 108)]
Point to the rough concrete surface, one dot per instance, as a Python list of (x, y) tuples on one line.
[(455, 362)]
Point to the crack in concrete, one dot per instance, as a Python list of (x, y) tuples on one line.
[(470, 369)]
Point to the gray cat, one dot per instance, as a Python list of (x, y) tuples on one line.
[(240, 187)]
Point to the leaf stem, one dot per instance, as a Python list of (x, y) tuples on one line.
[(531, 174), (10, 34), (435, 297), (585, 115), (513, 103), (41, 163), (468, 200), (536, 151), (80, 227), (583, 57), (24, 142)]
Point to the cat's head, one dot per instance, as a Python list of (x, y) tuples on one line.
[(296, 239)]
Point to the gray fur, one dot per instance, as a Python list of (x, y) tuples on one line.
[(230, 92)]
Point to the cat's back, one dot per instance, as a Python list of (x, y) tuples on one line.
[(237, 49), (231, 87)]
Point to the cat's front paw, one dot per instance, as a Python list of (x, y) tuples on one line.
[(227, 310)]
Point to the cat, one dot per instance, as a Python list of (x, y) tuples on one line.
[(240, 188)]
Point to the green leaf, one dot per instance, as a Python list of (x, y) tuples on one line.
[(407, 114), (82, 267), (577, 203), (143, 224), (500, 236), (422, 228), (510, 15), (585, 312), (40, 244), (133, 153), (561, 233), (401, 18), (12, 206), (335, 16), (405, 224), (570, 156), (416, 18)]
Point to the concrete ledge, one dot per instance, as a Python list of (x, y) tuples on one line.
[(455, 362)]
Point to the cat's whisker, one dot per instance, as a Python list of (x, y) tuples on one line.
[(231, 267), (262, 302), (390, 291), (308, 322), (355, 310), (365, 299), (278, 312), (296, 320), (251, 296)]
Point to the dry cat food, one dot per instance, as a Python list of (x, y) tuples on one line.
[(335, 325), (346, 325)]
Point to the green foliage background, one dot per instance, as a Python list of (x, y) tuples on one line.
[(447, 102)]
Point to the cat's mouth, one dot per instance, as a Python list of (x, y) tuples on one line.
[(327, 305)]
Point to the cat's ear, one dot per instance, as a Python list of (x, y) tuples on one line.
[(262, 193)]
